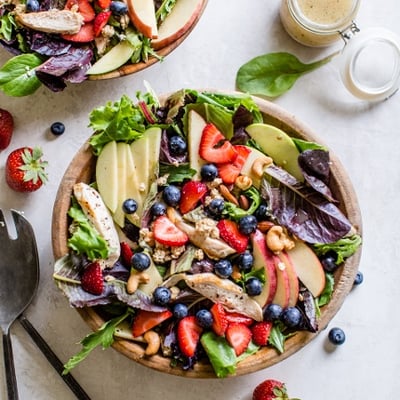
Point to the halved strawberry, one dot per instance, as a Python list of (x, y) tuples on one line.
[(188, 335), (239, 337), (104, 4), (100, 22), (145, 320), (229, 232), (220, 323), (235, 317), (83, 7), (85, 34), (126, 254), (261, 331), (92, 279), (165, 232), (230, 171), (214, 147), (192, 192)]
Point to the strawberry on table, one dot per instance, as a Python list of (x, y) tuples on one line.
[(271, 389), (188, 335), (230, 171), (214, 147), (261, 331), (92, 279), (6, 128), (167, 233), (239, 337), (230, 233), (192, 192), (100, 22), (25, 170)]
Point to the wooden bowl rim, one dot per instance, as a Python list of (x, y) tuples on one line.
[(82, 168)]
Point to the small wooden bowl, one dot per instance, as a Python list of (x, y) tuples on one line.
[(82, 169)]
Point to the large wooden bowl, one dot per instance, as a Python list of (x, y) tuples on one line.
[(82, 169)]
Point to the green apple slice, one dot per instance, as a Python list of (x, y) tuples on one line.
[(247, 168), (196, 125), (117, 56), (278, 145), (119, 215)]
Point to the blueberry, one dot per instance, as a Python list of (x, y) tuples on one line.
[(57, 128), (162, 296), (262, 212), (253, 286), (328, 261), (223, 268), (336, 336), (245, 261), (247, 224), (140, 261), (358, 280), (291, 317), (208, 172), (118, 7), (180, 310), (177, 146), (32, 6), (204, 318), (272, 312), (158, 209), (129, 206), (172, 195), (216, 206)]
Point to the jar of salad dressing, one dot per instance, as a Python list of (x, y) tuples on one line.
[(369, 62)]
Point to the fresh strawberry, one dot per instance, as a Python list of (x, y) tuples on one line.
[(100, 22), (214, 147), (235, 317), (126, 254), (239, 337), (261, 331), (85, 34), (188, 335), (271, 389), (165, 232), (25, 170), (83, 7), (104, 4), (145, 320), (92, 279), (229, 232), (6, 128), (230, 171), (192, 192), (220, 322)]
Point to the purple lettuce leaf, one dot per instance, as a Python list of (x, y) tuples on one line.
[(305, 212), (48, 45)]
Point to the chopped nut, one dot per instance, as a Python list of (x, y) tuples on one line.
[(227, 195), (243, 182)]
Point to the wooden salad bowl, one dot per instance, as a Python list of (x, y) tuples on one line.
[(82, 169)]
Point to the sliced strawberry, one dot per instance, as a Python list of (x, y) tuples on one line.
[(261, 331), (214, 147), (229, 232), (85, 34), (92, 279), (104, 4), (239, 337), (83, 7), (6, 128), (188, 335), (145, 320), (100, 22), (126, 254), (235, 317), (220, 322), (165, 232), (270, 389), (230, 171), (192, 192)]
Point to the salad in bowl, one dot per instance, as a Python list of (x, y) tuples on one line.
[(205, 234), (56, 42)]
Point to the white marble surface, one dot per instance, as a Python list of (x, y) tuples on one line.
[(364, 136)]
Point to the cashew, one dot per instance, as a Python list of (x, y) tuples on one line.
[(135, 279), (153, 341), (259, 164), (277, 240), (243, 182)]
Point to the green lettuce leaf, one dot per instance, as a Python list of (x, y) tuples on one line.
[(343, 248)]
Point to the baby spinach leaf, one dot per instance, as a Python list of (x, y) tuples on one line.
[(273, 74)]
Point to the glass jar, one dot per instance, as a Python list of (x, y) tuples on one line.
[(318, 23)]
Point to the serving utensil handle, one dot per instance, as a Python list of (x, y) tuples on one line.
[(75, 387), (12, 389)]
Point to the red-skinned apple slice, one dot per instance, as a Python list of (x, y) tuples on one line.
[(292, 277), (263, 257), (177, 22), (308, 268), (282, 294), (143, 15)]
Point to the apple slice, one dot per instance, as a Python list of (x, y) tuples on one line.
[(117, 56), (177, 23), (278, 145), (143, 16), (107, 175), (247, 168), (263, 257), (282, 294), (196, 125), (308, 267), (292, 277), (119, 215)]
